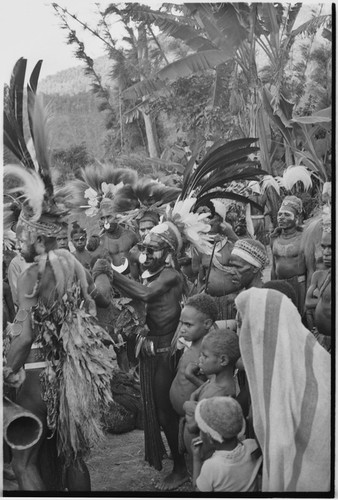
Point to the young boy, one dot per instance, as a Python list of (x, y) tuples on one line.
[(197, 317), (233, 465), (219, 353)]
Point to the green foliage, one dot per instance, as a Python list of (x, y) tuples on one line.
[(67, 163)]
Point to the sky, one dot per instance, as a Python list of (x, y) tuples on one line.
[(31, 29)]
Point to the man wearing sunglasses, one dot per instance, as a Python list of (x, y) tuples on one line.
[(161, 290)]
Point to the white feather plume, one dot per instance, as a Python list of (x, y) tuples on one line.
[(294, 174), (32, 187), (270, 181), (194, 226)]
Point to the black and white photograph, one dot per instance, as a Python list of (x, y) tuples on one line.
[(166, 240)]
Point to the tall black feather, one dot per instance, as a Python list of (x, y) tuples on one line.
[(222, 155), (14, 138), (31, 92), (227, 196), (16, 91)]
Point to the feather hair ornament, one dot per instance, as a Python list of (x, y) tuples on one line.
[(31, 155), (181, 226), (294, 174), (32, 188), (222, 165)]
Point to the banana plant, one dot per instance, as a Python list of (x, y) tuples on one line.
[(217, 33)]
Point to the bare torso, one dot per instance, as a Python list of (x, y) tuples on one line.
[(116, 248), (163, 312), (220, 280), (288, 259)]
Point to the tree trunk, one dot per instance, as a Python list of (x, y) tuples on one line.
[(152, 138), (150, 125)]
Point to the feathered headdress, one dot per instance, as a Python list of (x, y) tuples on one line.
[(223, 164), (119, 191), (29, 163), (181, 225)]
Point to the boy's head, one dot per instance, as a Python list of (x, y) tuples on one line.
[(220, 349), (198, 315), (221, 418)]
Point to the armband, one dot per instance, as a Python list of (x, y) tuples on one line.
[(17, 326)]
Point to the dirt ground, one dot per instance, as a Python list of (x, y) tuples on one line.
[(118, 465)]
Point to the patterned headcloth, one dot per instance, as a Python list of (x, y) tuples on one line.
[(292, 203), (220, 417), (252, 251), (326, 220)]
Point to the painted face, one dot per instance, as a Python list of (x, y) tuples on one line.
[(109, 223), (152, 256), (209, 362), (326, 249), (244, 272), (193, 324), (286, 219), (145, 227), (79, 241), (62, 239)]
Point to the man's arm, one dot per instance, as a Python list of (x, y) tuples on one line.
[(311, 301), (23, 332), (159, 286)]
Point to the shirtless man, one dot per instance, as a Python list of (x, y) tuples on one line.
[(288, 261), (213, 276), (38, 289), (145, 223), (162, 292), (318, 296), (115, 242)]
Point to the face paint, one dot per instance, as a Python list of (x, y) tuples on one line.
[(286, 219), (142, 258)]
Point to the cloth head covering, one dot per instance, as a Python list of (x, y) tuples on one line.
[(326, 218), (252, 251), (220, 417), (292, 203), (165, 233), (289, 377)]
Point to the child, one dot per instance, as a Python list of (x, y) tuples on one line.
[(197, 317), (234, 465), (219, 353)]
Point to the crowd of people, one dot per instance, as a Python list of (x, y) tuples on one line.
[(232, 361)]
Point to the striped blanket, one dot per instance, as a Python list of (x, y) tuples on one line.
[(289, 376)]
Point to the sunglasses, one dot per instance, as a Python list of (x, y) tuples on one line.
[(149, 250)]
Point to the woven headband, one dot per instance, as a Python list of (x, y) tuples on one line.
[(247, 257), (205, 427)]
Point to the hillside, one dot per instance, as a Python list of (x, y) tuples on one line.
[(73, 80), (76, 118)]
